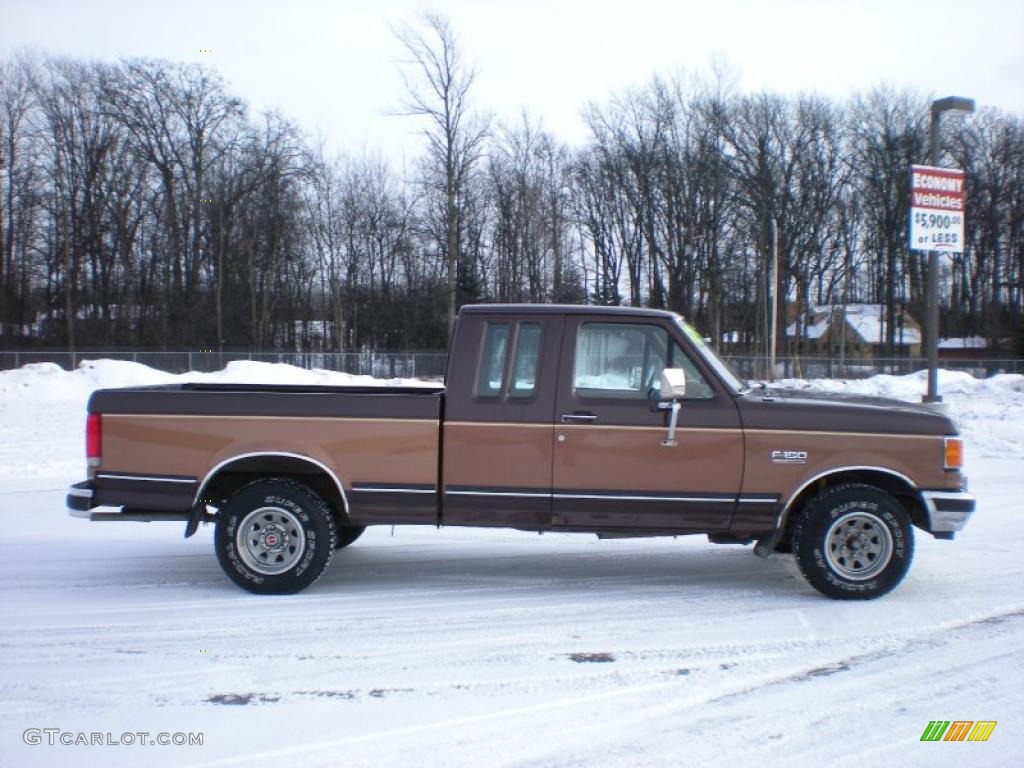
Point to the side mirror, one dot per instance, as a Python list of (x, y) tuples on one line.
[(673, 384), (673, 389)]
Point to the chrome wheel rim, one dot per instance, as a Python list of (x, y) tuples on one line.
[(858, 546), (270, 540)]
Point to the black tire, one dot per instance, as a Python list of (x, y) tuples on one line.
[(853, 542), (346, 534), (274, 537)]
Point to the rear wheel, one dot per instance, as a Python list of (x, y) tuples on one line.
[(274, 536), (854, 542)]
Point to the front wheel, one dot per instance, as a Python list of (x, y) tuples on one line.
[(274, 537), (854, 542)]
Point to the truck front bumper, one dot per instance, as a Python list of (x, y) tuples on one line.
[(948, 511)]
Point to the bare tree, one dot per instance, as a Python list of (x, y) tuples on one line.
[(18, 94), (437, 83), (987, 279), (888, 135), (135, 194)]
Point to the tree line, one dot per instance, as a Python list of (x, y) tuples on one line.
[(143, 205)]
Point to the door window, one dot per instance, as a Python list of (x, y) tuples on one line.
[(625, 360)]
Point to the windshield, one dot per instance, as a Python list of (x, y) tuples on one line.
[(712, 359)]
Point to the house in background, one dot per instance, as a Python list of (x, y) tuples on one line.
[(969, 348), (856, 331)]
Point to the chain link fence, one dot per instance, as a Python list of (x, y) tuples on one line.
[(380, 365), (757, 367), (431, 365)]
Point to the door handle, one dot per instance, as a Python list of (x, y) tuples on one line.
[(572, 418)]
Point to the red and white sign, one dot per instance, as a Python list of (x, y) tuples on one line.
[(937, 198)]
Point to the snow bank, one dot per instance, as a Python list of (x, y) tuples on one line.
[(50, 380), (912, 387), (42, 406), (989, 412)]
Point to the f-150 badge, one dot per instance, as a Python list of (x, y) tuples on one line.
[(788, 457)]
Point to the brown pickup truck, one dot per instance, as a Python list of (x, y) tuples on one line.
[(614, 421)]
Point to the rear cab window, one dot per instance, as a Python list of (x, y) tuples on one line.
[(526, 360), (509, 361), (493, 353)]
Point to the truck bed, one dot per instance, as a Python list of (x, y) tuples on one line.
[(162, 444)]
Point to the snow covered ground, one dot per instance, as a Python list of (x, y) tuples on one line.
[(483, 648)]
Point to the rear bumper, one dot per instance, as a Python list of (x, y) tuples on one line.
[(80, 499), (948, 511)]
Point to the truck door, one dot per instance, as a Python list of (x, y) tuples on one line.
[(499, 420), (610, 467)]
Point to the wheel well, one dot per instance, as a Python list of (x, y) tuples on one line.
[(897, 487), (227, 479)]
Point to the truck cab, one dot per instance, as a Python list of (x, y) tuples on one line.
[(560, 425)]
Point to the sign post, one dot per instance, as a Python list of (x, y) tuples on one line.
[(934, 194)]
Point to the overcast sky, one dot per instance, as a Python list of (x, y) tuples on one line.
[(334, 66)]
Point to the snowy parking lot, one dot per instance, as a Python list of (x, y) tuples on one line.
[(461, 647)]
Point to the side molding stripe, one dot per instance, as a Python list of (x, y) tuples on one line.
[(376, 489), (609, 496), (505, 494), (613, 497), (146, 478)]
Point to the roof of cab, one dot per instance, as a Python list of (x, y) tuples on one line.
[(563, 309)]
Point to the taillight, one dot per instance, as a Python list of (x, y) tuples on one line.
[(953, 448), (93, 439)]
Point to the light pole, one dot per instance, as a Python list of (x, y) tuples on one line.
[(775, 297), (956, 105)]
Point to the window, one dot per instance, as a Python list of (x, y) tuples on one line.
[(492, 360), (492, 379), (697, 387), (527, 360), (620, 360)]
